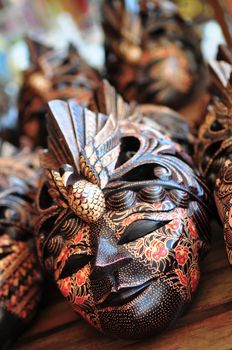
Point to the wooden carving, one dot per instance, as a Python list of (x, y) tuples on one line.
[(20, 278), (52, 74), (214, 148), (152, 53), (122, 218), (170, 123)]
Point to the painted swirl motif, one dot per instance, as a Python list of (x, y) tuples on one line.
[(152, 53), (214, 148), (132, 271), (51, 75), (20, 278)]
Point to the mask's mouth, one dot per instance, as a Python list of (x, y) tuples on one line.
[(124, 295)]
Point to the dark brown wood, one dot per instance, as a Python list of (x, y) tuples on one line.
[(206, 324), (214, 147)]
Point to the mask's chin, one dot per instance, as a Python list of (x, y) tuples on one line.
[(148, 313)]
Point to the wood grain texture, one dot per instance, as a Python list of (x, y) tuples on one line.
[(207, 324)]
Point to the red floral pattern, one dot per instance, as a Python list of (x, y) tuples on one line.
[(182, 253), (182, 278), (174, 224), (192, 229), (156, 251), (194, 278), (79, 300), (65, 286), (81, 276)]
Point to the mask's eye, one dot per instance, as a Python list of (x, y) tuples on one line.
[(75, 263), (140, 228)]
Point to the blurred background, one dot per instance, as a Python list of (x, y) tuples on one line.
[(60, 22)]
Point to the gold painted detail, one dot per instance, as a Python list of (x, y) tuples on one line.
[(86, 200)]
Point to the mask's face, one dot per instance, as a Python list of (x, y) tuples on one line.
[(131, 272)]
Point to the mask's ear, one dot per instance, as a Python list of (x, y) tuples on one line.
[(36, 49)]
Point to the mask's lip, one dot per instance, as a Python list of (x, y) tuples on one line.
[(123, 296)]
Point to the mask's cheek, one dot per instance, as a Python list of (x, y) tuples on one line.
[(76, 244), (77, 290), (83, 301), (155, 251), (135, 274)]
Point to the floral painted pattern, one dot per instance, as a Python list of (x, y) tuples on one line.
[(65, 286), (156, 251), (193, 229), (182, 277), (182, 254), (194, 278), (81, 276), (174, 225)]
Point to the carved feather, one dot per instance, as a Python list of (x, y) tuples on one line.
[(221, 75), (88, 141), (109, 102), (222, 71)]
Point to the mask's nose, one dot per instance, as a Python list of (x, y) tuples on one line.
[(110, 256)]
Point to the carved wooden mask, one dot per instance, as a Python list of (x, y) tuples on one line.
[(122, 219), (152, 54), (20, 278), (52, 74), (214, 148)]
